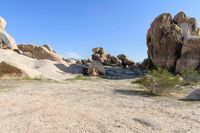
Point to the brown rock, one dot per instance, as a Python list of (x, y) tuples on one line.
[(96, 69), (114, 60), (96, 57), (48, 47), (122, 57), (98, 50), (38, 52), (129, 62), (190, 54), (9, 70), (174, 44), (147, 64)]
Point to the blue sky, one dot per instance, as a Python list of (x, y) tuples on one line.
[(74, 27)]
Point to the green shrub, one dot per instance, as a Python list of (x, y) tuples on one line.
[(190, 76), (81, 77), (159, 82)]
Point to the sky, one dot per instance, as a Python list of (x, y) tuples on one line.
[(74, 27)]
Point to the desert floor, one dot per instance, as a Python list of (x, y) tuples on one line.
[(91, 106)]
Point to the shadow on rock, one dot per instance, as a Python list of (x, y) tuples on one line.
[(73, 68), (134, 93), (117, 73)]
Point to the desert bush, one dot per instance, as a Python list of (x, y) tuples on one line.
[(159, 82), (190, 76)]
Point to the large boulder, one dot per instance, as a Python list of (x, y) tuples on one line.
[(96, 69), (5, 39), (38, 52), (173, 43), (194, 95)]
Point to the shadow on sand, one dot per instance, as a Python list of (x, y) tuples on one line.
[(142, 93), (112, 73)]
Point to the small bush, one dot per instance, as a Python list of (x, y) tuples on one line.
[(159, 82), (190, 76)]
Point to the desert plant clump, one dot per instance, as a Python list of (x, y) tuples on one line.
[(159, 82), (190, 76)]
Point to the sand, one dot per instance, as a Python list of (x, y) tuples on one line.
[(91, 106)]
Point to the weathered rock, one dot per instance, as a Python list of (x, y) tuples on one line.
[(115, 60), (164, 42), (2, 24), (48, 47), (138, 65), (18, 51), (9, 70), (38, 52), (5, 38), (173, 43), (194, 95), (96, 57), (96, 69), (122, 57), (128, 62), (109, 60), (147, 64), (98, 50), (190, 55)]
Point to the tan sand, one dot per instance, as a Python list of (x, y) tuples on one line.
[(99, 106)]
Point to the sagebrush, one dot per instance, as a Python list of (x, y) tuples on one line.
[(159, 82)]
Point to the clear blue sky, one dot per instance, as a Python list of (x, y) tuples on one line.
[(76, 26)]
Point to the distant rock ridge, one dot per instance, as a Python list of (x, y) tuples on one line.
[(174, 42)]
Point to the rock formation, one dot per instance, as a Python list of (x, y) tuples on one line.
[(39, 52), (9, 70), (194, 95), (106, 59), (96, 69), (5, 39), (174, 43)]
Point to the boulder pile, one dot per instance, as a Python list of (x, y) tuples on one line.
[(174, 42), (121, 60)]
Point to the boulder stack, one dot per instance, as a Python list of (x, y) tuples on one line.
[(174, 42), (106, 59)]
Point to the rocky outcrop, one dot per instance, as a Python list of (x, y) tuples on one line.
[(106, 59), (5, 39), (194, 95), (37, 52), (96, 69), (174, 43)]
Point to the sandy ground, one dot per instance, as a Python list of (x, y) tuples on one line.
[(98, 106)]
